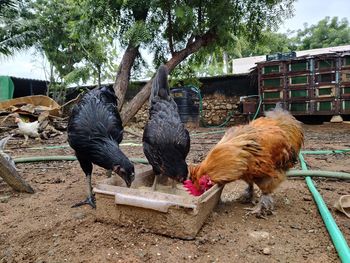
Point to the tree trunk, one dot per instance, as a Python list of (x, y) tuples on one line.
[(136, 103), (123, 75)]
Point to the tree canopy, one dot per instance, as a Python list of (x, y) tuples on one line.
[(328, 32), (73, 32)]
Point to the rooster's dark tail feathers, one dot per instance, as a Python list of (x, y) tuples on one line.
[(160, 84)]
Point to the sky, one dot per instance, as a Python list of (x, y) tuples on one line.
[(312, 11), (28, 65)]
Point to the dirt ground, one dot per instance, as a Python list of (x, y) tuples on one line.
[(42, 227)]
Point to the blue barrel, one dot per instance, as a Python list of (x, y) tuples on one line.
[(187, 100)]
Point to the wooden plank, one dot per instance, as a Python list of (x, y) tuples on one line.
[(9, 173), (12, 178)]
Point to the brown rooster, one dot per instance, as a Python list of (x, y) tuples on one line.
[(260, 152)]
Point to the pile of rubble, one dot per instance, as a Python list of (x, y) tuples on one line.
[(45, 115)]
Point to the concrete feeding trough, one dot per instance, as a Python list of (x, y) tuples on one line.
[(165, 211)]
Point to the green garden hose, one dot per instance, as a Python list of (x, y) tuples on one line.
[(67, 146), (325, 151), (336, 235), (63, 158), (317, 173)]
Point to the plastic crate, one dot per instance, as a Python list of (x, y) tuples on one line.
[(345, 76), (345, 91), (301, 107), (268, 105), (298, 66), (299, 93), (345, 62), (274, 94), (327, 77), (324, 106), (298, 80), (325, 64), (272, 82), (271, 69), (325, 91), (345, 106)]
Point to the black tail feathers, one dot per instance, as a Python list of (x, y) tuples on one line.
[(160, 84), (109, 94)]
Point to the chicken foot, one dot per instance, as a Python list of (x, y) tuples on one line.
[(263, 208), (248, 194), (90, 200)]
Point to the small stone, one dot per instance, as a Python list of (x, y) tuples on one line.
[(259, 235), (216, 118), (286, 201), (4, 199), (266, 251), (79, 215), (271, 243), (307, 198)]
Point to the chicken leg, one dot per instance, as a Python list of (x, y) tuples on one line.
[(155, 182), (263, 208), (26, 137), (87, 168), (90, 200)]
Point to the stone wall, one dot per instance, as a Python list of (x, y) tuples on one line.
[(216, 109), (139, 120)]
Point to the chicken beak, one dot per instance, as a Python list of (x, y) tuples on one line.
[(128, 179)]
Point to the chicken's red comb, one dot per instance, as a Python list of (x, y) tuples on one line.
[(187, 183), (191, 188)]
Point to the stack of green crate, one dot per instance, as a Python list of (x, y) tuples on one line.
[(345, 85), (298, 86), (271, 83)]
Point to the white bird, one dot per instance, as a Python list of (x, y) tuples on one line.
[(28, 129)]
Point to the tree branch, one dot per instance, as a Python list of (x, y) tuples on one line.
[(136, 103), (123, 75)]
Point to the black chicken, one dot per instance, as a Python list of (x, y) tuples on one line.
[(166, 142), (95, 131)]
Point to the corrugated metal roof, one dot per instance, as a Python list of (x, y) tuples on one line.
[(24, 78), (244, 65)]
